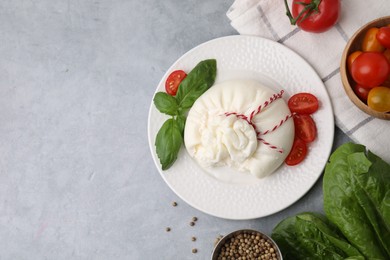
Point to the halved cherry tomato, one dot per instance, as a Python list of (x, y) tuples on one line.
[(298, 152), (303, 103), (370, 69), (351, 58), (370, 42), (173, 81), (379, 99), (361, 92), (383, 36), (305, 128)]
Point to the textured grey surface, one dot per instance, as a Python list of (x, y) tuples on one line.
[(77, 180)]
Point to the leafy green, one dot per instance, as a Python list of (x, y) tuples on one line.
[(311, 236), (170, 137), (356, 188), (168, 143), (356, 199), (200, 79), (181, 122), (166, 103)]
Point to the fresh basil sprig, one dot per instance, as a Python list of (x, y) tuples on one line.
[(170, 137)]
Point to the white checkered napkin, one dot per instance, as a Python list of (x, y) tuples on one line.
[(267, 18)]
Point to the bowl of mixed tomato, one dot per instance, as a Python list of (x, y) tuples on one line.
[(365, 68)]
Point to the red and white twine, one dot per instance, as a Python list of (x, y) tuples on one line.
[(258, 110)]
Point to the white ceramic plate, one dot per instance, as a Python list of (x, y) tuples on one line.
[(247, 57)]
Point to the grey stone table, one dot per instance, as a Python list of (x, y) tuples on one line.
[(77, 180)]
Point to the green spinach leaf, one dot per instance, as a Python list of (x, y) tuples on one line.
[(356, 194), (311, 236)]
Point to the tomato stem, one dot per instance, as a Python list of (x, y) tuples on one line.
[(307, 10)]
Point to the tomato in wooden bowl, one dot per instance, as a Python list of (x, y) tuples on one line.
[(365, 68)]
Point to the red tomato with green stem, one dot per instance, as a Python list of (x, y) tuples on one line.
[(173, 81), (314, 15), (370, 69)]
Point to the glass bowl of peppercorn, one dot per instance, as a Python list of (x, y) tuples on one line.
[(246, 244)]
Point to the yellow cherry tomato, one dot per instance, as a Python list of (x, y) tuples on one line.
[(351, 58), (379, 99), (370, 43)]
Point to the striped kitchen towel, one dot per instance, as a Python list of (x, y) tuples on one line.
[(267, 18)]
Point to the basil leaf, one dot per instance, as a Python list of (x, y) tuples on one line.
[(181, 122), (168, 143), (165, 103), (198, 80)]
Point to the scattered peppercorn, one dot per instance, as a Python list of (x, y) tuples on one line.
[(193, 238), (194, 250), (194, 219), (192, 223), (174, 203), (168, 229), (248, 245)]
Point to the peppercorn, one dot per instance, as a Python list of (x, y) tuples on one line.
[(248, 245)]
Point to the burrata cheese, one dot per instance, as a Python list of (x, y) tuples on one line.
[(217, 133)]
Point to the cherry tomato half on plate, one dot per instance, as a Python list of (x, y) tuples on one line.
[(383, 36), (303, 103), (370, 69), (298, 152), (379, 99), (316, 20), (370, 41), (361, 92), (173, 81), (305, 128)]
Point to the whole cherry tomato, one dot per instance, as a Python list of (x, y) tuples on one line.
[(351, 58), (361, 92), (314, 15), (379, 99), (370, 69), (387, 54), (370, 42), (173, 81), (383, 36)]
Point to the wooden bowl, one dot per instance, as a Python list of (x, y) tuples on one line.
[(354, 44)]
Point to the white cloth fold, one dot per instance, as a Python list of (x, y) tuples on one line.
[(267, 18)]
